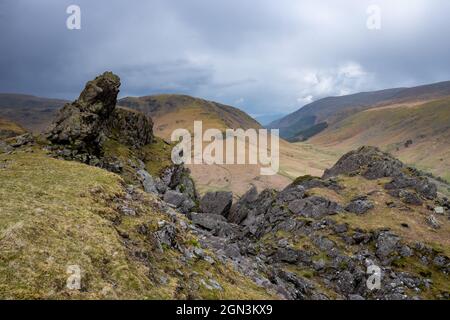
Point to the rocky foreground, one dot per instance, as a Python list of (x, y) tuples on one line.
[(142, 231)]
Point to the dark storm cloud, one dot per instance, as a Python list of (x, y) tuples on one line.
[(264, 56)]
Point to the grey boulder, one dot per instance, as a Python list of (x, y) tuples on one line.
[(147, 181), (218, 203), (359, 206)]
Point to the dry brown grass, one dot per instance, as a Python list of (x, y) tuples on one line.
[(390, 126), (381, 216)]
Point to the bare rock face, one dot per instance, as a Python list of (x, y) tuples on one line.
[(84, 125), (100, 95), (130, 127), (80, 124), (218, 202), (241, 209)]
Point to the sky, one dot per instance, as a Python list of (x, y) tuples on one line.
[(264, 56)]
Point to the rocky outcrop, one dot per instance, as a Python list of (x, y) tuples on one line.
[(94, 131), (368, 162), (372, 163), (82, 127), (179, 200), (215, 223), (269, 234), (241, 209), (314, 207)]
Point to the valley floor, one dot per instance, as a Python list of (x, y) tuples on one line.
[(296, 159)]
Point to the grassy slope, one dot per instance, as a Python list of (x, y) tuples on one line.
[(56, 213), (427, 125), (334, 109), (10, 129)]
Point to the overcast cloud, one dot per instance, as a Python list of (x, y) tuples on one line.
[(262, 56)]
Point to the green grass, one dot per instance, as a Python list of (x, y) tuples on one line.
[(157, 156), (440, 284), (57, 213)]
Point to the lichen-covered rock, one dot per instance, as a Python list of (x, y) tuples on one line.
[(386, 244), (87, 123), (314, 207), (130, 127), (367, 161), (79, 124), (433, 222), (416, 182), (215, 223), (372, 163), (178, 178), (174, 198), (410, 197), (148, 182), (309, 182), (21, 140), (359, 205)]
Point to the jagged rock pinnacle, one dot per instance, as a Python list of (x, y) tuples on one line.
[(85, 124)]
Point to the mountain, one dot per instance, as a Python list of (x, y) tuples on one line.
[(268, 118), (418, 133), (32, 113), (36, 113), (317, 116), (91, 209), (171, 111)]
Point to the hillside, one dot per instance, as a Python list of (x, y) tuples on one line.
[(32, 113), (121, 256), (302, 244), (417, 133), (92, 209), (315, 115), (10, 129), (171, 111)]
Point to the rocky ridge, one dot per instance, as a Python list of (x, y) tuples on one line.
[(293, 241)]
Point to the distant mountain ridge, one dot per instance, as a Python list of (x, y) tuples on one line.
[(35, 113), (334, 109), (417, 133), (31, 112)]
